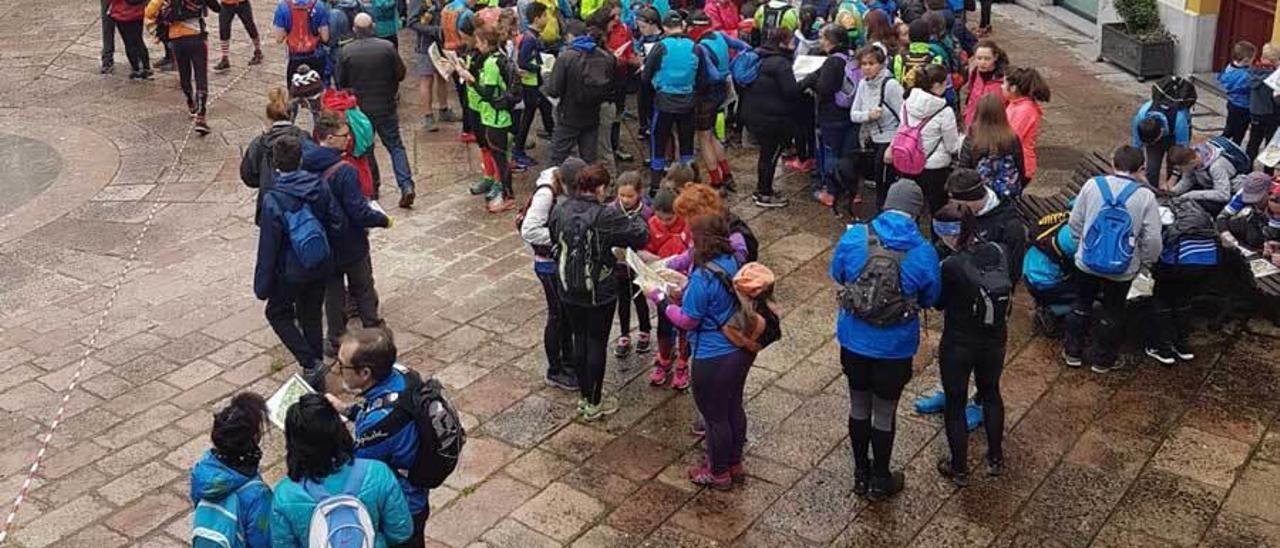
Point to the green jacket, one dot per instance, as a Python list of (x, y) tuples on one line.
[(492, 88)]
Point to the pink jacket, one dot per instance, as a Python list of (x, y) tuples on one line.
[(978, 88), (1024, 116), (724, 16)]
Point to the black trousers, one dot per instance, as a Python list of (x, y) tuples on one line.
[(1155, 158), (874, 168), (294, 314), (875, 385), (663, 123), (1261, 129), (933, 182), (356, 275), (961, 355), (1171, 295), (192, 56), (245, 12), (1237, 123), (557, 339), (134, 47), (468, 125), (771, 139), (984, 13), (718, 385), (1108, 332), (108, 36), (534, 103), (499, 141), (565, 137), (590, 326), (628, 295)]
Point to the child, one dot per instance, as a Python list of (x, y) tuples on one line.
[(225, 482), (305, 88), (631, 203), (1163, 122), (529, 49), (1264, 107), (1235, 82), (668, 236), (495, 99), (914, 55), (986, 76), (650, 31), (1024, 89)]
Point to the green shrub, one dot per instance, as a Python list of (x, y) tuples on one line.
[(1142, 19)]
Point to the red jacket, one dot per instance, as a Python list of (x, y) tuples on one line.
[(977, 89), (619, 35), (724, 16), (121, 11), (668, 241)]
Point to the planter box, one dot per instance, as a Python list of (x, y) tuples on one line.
[(1144, 60)]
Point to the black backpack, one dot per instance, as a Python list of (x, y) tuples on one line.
[(440, 432), (876, 296), (987, 283), (736, 224), (579, 252), (1173, 93), (598, 69), (173, 11), (1190, 222)]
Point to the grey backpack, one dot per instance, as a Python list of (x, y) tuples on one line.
[(876, 296)]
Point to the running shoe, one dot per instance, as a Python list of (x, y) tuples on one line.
[(607, 406), (1183, 352), (680, 381), (623, 348), (881, 488), (1163, 355), (483, 186), (931, 404), (643, 343), (960, 479), (257, 58), (1071, 361), (223, 64), (769, 201)]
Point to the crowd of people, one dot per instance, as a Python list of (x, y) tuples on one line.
[(905, 100)]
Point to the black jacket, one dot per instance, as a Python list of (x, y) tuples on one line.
[(772, 98), (256, 169), (373, 69), (1003, 226), (566, 73), (825, 82), (613, 228)]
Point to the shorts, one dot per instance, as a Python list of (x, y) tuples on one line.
[(422, 66), (704, 115)]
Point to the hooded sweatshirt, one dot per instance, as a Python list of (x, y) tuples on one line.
[(1210, 181), (883, 92), (1262, 99), (921, 280), (277, 262), (213, 481), (353, 243), (940, 139), (1144, 213), (256, 169)]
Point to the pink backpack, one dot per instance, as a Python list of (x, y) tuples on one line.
[(908, 146)]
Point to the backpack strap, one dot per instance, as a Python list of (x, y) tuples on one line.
[(723, 278), (1128, 191), (315, 489), (355, 479), (327, 175), (1105, 189)]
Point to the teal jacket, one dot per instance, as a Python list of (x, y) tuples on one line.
[(292, 506)]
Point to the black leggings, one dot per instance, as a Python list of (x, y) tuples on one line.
[(984, 15), (557, 339), (498, 140), (534, 103), (590, 326), (624, 277), (229, 12), (468, 125), (663, 122), (134, 47), (771, 140), (874, 168), (192, 55), (874, 388), (1171, 296), (717, 390), (960, 355)]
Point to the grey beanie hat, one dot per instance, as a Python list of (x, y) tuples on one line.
[(568, 172), (905, 196)]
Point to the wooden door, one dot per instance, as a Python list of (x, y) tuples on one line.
[(1242, 20)]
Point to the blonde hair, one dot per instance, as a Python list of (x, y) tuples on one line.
[(1271, 52), (277, 104)]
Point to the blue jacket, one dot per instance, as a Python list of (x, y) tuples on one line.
[(283, 19), (1041, 271), (277, 262), (1235, 81), (292, 507), (344, 186), (1181, 130), (396, 449), (921, 278), (213, 481), (1262, 100)]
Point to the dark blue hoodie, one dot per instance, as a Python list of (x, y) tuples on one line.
[(213, 482), (344, 186), (277, 262)]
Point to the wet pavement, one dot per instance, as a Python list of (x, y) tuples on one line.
[(1145, 456)]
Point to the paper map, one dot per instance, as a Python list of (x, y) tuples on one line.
[(289, 393), (1262, 268), (655, 274)]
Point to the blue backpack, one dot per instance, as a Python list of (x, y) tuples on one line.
[(745, 68), (307, 236), (216, 524), (341, 520), (1234, 154), (1107, 248)]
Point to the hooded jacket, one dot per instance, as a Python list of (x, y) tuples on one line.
[(213, 481), (292, 506), (1262, 99), (353, 243), (1235, 81), (566, 73), (921, 280), (613, 229), (885, 93), (724, 16), (256, 169), (772, 98), (1144, 213), (1024, 117), (397, 449), (372, 67), (1210, 182), (668, 241), (277, 262), (940, 138)]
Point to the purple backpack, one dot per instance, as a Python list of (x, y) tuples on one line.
[(909, 157), (849, 87)]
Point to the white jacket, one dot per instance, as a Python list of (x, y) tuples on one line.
[(940, 138)]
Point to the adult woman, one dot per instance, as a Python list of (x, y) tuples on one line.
[(769, 111), (584, 231), (719, 368), (877, 106), (969, 345), (939, 138), (189, 41), (994, 150), (986, 77), (320, 455), (1025, 90), (256, 170), (836, 133)]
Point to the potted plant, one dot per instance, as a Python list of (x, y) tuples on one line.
[(1140, 44)]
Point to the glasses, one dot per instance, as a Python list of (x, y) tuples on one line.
[(342, 135)]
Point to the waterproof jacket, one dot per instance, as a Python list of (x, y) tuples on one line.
[(277, 262), (292, 506), (920, 278), (1235, 81), (772, 98), (825, 82), (398, 449), (998, 222), (981, 85), (566, 73), (353, 243), (1262, 99), (881, 92), (214, 481), (373, 69), (1024, 117), (668, 241), (966, 157), (613, 229), (725, 16), (256, 169)]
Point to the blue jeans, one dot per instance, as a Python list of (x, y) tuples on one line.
[(838, 142), (387, 126)]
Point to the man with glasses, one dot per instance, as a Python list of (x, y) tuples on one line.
[(352, 263)]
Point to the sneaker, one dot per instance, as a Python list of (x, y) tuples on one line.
[(769, 201), (860, 480), (961, 479), (429, 123), (544, 135), (500, 203), (931, 404), (523, 162), (706, 478), (448, 116), (1071, 361), (699, 427), (107, 68), (972, 416), (1183, 352), (623, 347), (825, 198), (202, 127), (881, 488), (1103, 369), (1163, 355), (164, 64), (145, 74), (738, 473), (660, 374), (563, 381), (995, 468), (582, 405), (467, 137), (794, 164), (643, 343), (622, 156), (483, 186), (728, 184), (256, 59), (680, 381), (223, 64), (495, 191), (607, 406), (134, 75), (406, 199)]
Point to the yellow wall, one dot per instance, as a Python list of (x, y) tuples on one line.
[(1204, 7), (1275, 25)]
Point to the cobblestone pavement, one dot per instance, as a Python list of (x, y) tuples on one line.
[(1144, 456)]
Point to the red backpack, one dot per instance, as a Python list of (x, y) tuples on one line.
[(301, 40)]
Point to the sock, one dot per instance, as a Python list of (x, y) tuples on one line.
[(713, 175), (859, 440), (724, 169), (225, 47), (882, 449), (489, 169)]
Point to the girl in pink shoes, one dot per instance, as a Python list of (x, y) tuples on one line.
[(669, 237)]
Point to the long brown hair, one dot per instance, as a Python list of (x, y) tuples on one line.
[(879, 29), (710, 238), (277, 104), (1028, 83), (991, 132)]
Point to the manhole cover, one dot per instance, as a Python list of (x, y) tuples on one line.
[(27, 168)]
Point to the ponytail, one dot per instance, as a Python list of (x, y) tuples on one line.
[(277, 104), (1029, 83)]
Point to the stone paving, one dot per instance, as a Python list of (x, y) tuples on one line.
[(1143, 457)]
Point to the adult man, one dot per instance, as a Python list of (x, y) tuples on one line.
[(366, 363), (303, 26), (351, 249), (581, 79), (289, 275), (372, 68), (1126, 187), (672, 68)]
